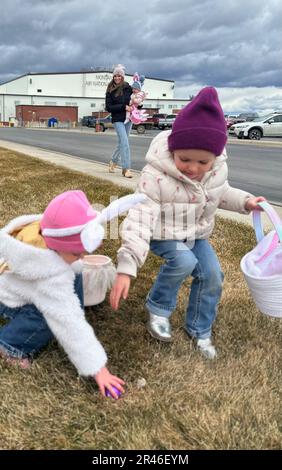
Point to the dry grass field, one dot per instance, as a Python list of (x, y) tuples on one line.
[(188, 402)]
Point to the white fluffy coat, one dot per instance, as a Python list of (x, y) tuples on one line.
[(41, 277)]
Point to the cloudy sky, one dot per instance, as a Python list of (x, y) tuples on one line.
[(232, 45)]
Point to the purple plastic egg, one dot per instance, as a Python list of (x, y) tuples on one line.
[(108, 393)]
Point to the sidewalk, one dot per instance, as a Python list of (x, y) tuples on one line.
[(100, 170)]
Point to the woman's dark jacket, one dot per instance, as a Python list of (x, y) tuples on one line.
[(116, 104)]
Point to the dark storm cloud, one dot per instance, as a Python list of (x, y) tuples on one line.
[(217, 42)]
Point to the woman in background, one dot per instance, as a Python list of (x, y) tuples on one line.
[(117, 103)]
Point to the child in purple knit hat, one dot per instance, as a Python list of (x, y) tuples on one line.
[(185, 181)]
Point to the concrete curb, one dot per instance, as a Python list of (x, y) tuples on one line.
[(268, 143), (100, 170)]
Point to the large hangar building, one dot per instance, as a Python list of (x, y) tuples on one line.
[(81, 91)]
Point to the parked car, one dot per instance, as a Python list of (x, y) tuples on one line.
[(89, 121), (248, 116), (167, 122), (143, 126), (156, 117), (267, 126), (230, 120), (106, 123)]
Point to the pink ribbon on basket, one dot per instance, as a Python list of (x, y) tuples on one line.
[(257, 222), (271, 248)]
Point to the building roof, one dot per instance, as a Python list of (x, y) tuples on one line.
[(73, 73), (87, 97)]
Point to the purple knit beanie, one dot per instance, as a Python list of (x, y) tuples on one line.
[(200, 125)]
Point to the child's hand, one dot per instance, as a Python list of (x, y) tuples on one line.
[(252, 202), (105, 380), (119, 289)]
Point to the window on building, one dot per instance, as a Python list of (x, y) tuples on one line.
[(39, 90), (161, 106), (50, 103), (148, 105), (30, 81), (171, 106), (93, 105), (17, 102), (71, 103)]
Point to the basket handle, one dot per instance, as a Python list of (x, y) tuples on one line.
[(273, 217)]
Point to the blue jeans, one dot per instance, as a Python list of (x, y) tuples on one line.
[(180, 262), (27, 331), (123, 150)]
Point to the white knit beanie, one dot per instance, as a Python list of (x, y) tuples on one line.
[(119, 70)]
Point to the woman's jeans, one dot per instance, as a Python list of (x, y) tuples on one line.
[(27, 331), (180, 262), (123, 150)]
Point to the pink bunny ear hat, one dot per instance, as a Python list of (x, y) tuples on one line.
[(63, 220), (70, 224)]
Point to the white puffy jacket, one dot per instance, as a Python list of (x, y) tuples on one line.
[(41, 277), (177, 208)]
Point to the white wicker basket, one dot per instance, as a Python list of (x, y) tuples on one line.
[(262, 267)]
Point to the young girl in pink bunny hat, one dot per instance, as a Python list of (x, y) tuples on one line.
[(41, 291)]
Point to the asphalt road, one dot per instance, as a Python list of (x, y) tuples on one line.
[(255, 168)]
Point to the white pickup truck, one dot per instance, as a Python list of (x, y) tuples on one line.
[(167, 122)]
